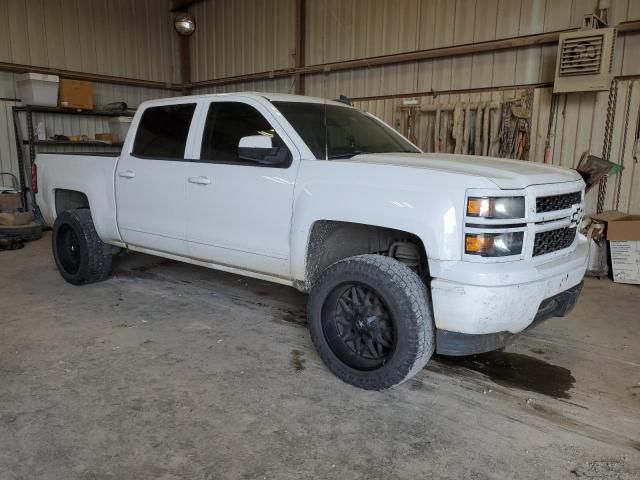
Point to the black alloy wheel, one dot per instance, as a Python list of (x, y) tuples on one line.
[(80, 255), (370, 320), (358, 326), (68, 249)]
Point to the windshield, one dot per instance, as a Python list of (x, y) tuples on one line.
[(348, 132)]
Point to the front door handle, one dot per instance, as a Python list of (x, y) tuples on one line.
[(127, 174), (199, 180)]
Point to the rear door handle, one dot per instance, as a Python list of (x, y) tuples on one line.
[(200, 180), (127, 174)]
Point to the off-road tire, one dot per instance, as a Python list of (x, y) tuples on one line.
[(406, 298), (29, 232), (93, 255)]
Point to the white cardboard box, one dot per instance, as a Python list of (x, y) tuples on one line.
[(625, 260), (623, 234), (38, 89)]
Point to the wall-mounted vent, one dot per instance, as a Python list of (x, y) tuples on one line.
[(585, 60)]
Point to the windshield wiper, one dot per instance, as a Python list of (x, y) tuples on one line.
[(346, 155)]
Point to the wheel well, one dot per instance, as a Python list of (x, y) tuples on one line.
[(70, 200), (331, 241)]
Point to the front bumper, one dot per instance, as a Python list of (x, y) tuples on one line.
[(457, 344), (502, 298)]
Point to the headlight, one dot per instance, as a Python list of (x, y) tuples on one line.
[(495, 207), (493, 244)]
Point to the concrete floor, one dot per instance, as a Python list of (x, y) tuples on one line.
[(169, 371)]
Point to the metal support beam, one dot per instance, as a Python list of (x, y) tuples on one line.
[(458, 91), (92, 77), (184, 50), (183, 4), (537, 39), (300, 35), (466, 49), (185, 63), (631, 26)]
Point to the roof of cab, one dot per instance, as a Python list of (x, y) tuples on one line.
[(273, 97)]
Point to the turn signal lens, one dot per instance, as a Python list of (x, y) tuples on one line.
[(493, 244), (495, 207), (478, 207), (478, 244)]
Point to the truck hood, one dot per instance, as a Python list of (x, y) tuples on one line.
[(505, 173)]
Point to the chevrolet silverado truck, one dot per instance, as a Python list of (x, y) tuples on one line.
[(402, 253)]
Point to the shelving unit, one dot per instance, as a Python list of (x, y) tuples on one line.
[(29, 139)]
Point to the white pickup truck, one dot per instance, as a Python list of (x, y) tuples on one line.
[(403, 253)]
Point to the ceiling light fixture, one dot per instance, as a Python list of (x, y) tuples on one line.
[(185, 24)]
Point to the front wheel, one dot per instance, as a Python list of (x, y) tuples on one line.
[(370, 320), (81, 256)]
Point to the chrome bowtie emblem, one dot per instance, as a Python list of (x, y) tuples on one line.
[(576, 215)]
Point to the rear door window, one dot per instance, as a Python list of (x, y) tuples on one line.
[(163, 131)]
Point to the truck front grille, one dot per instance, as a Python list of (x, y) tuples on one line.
[(553, 240), (552, 203)]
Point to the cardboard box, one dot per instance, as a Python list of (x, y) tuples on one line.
[(623, 234), (107, 137), (10, 201), (76, 94), (16, 218)]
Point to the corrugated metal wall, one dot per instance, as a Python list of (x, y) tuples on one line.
[(127, 38), (335, 32), (338, 30), (236, 37)]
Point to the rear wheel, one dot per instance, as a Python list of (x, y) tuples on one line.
[(79, 253), (370, 321)]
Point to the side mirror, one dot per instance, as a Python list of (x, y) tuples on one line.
[(260, 149)]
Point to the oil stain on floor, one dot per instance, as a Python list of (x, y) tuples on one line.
[(512, 370), (297, 360), (294, 317)]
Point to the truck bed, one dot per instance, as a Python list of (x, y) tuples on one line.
[(92, 174)]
